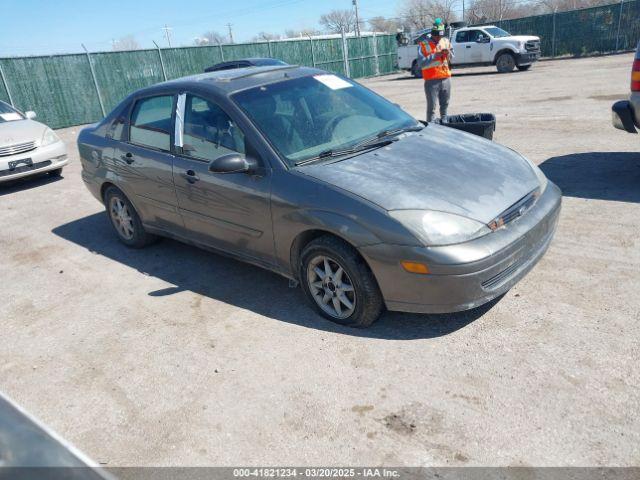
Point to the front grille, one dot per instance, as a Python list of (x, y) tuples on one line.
[(17, 148), (532, 46), (25, 168), (516, 210)]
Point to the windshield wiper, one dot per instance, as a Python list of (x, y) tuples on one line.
[(388, 133), (347, 151)]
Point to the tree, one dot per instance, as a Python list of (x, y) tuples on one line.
[(338, 20), (266, 37), (382, 24), (304, 32), (420, 14), (209, 38), (495, 10), (127, 42)]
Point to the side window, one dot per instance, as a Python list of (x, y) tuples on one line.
[(151, 122), (462, 37), (209, 132), (474, 35)]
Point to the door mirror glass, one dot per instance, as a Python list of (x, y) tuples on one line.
[(30, 114), (483, 39), (230, 163)]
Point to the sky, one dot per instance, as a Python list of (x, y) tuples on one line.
[(43, 27)]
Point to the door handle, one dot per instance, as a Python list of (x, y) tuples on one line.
[(128, 157), (190, 176), (468, 46)]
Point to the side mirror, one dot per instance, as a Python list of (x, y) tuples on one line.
[(483, 40), (30, 114), (231, 163)]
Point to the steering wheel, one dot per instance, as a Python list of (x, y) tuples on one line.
[(327, 131)]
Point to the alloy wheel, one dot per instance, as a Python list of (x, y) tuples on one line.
[(331, 287), (121, 218)]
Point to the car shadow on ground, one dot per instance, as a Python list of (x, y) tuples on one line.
[(236, 283), (27, 183), (599, 175)]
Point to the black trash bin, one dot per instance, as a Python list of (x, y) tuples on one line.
[(481, 124)]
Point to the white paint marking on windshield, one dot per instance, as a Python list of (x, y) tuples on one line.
[(333, 82)]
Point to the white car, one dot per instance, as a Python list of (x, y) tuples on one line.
[(28, 147), (477, 46)]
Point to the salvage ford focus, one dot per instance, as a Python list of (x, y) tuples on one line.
[(28, 147), (317, 178)]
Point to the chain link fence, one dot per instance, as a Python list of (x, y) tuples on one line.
[(605, 29), (76, 89)]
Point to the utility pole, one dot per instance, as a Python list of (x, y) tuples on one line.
[(355, 5), (463, 10), (229, 25), (167, 33)]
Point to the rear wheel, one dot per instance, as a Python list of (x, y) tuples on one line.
[(505, 63), (339, 284), (524, 68), (125, 220)]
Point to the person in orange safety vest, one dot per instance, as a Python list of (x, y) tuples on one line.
[(435, 58)]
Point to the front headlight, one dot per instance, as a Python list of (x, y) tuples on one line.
[(541, 176), (439, 228), (49, 137)]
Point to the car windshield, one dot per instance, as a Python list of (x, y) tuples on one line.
[(8, 113), (496, 32), (307, 117)]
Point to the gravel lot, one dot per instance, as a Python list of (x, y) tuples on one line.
[(175, 356)]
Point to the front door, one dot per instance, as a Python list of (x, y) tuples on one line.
[(478, 47), (230, 211), (144, 163)]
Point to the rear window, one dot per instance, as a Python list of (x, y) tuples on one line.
[(151, 122)]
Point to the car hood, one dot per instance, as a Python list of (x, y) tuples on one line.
[(20, 131), (438, 168)]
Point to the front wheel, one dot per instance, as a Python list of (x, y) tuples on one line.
[(505, 63), (524, 68), (339, 284)]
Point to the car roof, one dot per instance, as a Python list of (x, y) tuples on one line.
[(475, 27), (226, 82)]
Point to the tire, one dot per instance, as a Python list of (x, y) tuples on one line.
[(55, 173), (415, 71), (127, 224), (356, 284), (505, 63), (524, 68)]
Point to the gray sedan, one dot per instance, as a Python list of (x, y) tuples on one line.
[(321, 180)]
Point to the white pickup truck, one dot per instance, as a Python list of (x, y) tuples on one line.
[(476, 46)]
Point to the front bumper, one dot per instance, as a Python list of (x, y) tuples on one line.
[(623, 116), (527, 58), (470, 274), (40, 160)]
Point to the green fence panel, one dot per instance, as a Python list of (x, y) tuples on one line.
[(121, 73), (179, 62), (328, 53), (61, 88), (58, 88), (295, 52), (4, 95), (603, 29), (387, 53)]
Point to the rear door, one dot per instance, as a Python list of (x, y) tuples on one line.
[(144, 162), (460, 47), (231, 211)]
